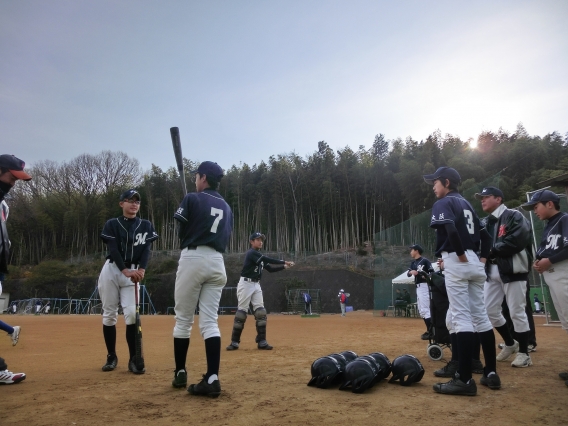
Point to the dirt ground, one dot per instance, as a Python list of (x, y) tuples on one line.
[(62, 357)]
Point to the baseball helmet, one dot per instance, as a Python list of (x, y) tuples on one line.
[(384, 362), (325, 372), (341, 360), (407, 369), (349, 355), (380, 369), (360, 375)]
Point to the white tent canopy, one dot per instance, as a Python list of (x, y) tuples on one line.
[(403, 279)]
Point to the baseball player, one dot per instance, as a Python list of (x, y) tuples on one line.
[(507, 268), (458, 236), (38, 307), (536, 304), (11, 170), (418, 268), (552, 253), (205, 226), (47, 307), (129, 240), (342, 301), (249, 291), (307, 303)]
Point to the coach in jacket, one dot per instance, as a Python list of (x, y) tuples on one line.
[(507, 268)]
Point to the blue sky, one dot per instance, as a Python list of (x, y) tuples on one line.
[(244, 80)]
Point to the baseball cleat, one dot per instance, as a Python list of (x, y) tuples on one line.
[(233, 346), (112, 361), (204, 388), (136, 369), (507, 351), (15, 335), (492, 381), (563, 375), (449, 370), (265, 347), (180, 379), (522, 360), (457, 387), (9, 378)]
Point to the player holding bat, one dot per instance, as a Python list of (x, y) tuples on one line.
[(129, 240)]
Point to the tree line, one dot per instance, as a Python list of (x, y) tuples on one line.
[(326, 201)]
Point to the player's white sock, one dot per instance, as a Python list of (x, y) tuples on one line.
[(212, 378)]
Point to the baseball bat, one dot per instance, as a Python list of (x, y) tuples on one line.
[(139, 356), (176, 142)]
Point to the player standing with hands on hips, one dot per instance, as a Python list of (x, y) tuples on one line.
[(458, 237), (205, 226), (11, 170), (129, 240), (249, 291), (552, 253), (420, 266), (507, 266)]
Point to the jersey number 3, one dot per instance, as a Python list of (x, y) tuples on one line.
[(219, 214), (469, 221)]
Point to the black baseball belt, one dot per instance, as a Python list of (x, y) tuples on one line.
[(250, 280)]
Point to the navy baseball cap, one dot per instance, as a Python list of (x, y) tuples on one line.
[(489, 190), (127, 195), (443, 173), (15, 165), (541, 197), (211, 169), (417, 247), (256, 235)]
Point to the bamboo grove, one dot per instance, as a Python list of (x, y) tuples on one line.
[(329, 200)]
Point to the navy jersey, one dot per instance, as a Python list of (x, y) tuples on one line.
[(554, 242), (255, 262), (421, 265), (205, 220), (132, 239), (453, 208)]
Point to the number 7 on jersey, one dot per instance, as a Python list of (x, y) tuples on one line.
[(219, 214)]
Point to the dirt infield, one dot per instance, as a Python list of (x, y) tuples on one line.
[(62, 357)]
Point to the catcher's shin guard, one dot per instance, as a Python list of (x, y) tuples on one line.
[(238, 325), (260, 315)]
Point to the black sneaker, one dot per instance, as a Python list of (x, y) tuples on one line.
[(203, 388), (180, 379), (492, 382), (425, 336), (136, 369), (265, 346), (477, 366), (111, 362), (449, 370), (457, 387), (233, 346)]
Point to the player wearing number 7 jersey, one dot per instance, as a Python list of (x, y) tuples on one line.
[(458, 238), (206, 222)]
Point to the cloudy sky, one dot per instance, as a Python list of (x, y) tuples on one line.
[(244, 80)]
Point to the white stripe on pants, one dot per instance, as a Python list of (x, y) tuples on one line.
[(557, 280), (464, 284), (423, 299), (115, 288), (200, 278), (515, 292)]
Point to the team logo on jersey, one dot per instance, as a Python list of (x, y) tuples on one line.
[(565, 241), (502, 231), (553, 241), (433, 217), (420, 268), (141, 238), (441, 217), (179, 211)]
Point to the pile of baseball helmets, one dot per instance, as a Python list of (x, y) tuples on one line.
[(360, 373)]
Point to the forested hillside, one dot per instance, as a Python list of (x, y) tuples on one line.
[(326, 201)]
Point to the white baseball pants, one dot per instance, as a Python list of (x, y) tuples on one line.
[(247, 293), (200, 278), (115, 288), (514, 292), (423, 299), (557, 280), (464, 284)]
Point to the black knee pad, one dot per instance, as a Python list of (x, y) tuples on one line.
[(240, 319), (260, 315)]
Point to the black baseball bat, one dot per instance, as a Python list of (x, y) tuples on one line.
[(176, 142), (139, 356)]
